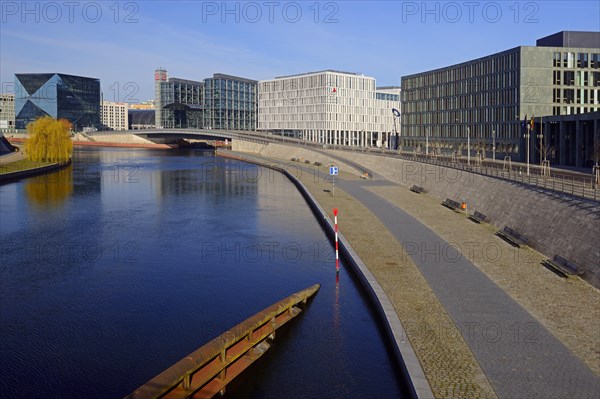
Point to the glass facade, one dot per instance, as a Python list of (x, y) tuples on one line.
[(74, 98), (230, 102), (220, 102)]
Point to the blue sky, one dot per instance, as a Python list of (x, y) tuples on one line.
[(122, 42)]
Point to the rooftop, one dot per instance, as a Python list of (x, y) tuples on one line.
[(316, 72)]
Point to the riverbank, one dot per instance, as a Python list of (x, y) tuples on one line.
[(24, 168), (454, 352)]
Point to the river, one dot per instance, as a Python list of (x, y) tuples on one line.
[(119, 266)]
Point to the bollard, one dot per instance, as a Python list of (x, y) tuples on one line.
[(337, 257)]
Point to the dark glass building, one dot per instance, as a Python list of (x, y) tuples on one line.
[(60, 96), (230, 102), (220, 102)]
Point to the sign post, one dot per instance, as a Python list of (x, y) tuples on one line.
[(333, 171)]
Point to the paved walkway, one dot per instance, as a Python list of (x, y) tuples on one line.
[(472, 337), (12, 157)]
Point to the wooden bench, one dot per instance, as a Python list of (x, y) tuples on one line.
[(512, 236), (317, 163), (564, 265), (448, 203), (477, 217), (417, 189)]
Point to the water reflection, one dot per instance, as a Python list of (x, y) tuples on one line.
[(50, 190)]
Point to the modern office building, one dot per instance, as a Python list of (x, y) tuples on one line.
[(230, 102), (114, 115), (488, 99), (60, 96), (220, 102), (329, 107), (178, 102), (7, 113)]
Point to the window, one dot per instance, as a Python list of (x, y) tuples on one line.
[(557, 79), (569, 78), (557, 59), (569, 96)]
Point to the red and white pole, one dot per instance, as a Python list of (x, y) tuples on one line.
[(337, 256)]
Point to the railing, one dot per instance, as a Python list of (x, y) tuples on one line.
[(207, 371), (572, 183)]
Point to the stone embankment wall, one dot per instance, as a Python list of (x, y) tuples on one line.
[(286, 152)]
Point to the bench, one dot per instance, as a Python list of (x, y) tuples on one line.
[(448, 203), (417, 189), (512, 236), (564, 265), (317, 163), (477, 217), (307, 162)]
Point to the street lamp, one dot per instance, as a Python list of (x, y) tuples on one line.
[(468, 147), (396, 115), (494, 145), (527, 135), (427, 143), (542, 149)]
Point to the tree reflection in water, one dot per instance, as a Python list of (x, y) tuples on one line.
[(50, 190)]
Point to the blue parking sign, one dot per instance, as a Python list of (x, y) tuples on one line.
[(333, 170)]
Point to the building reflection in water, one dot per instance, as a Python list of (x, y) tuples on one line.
[(50, 190)]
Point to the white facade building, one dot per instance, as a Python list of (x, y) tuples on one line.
[(114, 115), (329, 107)]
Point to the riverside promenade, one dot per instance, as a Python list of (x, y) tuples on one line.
[(485, 319)]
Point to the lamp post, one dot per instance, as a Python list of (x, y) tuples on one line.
[(468, 147), (541, 137), (494, 145), (396, 115), (527, 136), (427, 142)]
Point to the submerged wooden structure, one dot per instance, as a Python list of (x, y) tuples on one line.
[(207, 371)]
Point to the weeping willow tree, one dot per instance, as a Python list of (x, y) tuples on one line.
[(49, 140)]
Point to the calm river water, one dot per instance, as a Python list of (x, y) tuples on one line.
[(119, 266)]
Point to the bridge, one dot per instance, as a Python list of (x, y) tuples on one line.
[(198, 134)]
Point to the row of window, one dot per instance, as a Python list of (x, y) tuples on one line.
[(487, 66), (576, 78), (578, 96), (573, 110), (488, 99), (579, 60), (479, 115), (473, 85)]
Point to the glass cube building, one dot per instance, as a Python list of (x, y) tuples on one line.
[(60, 96)]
